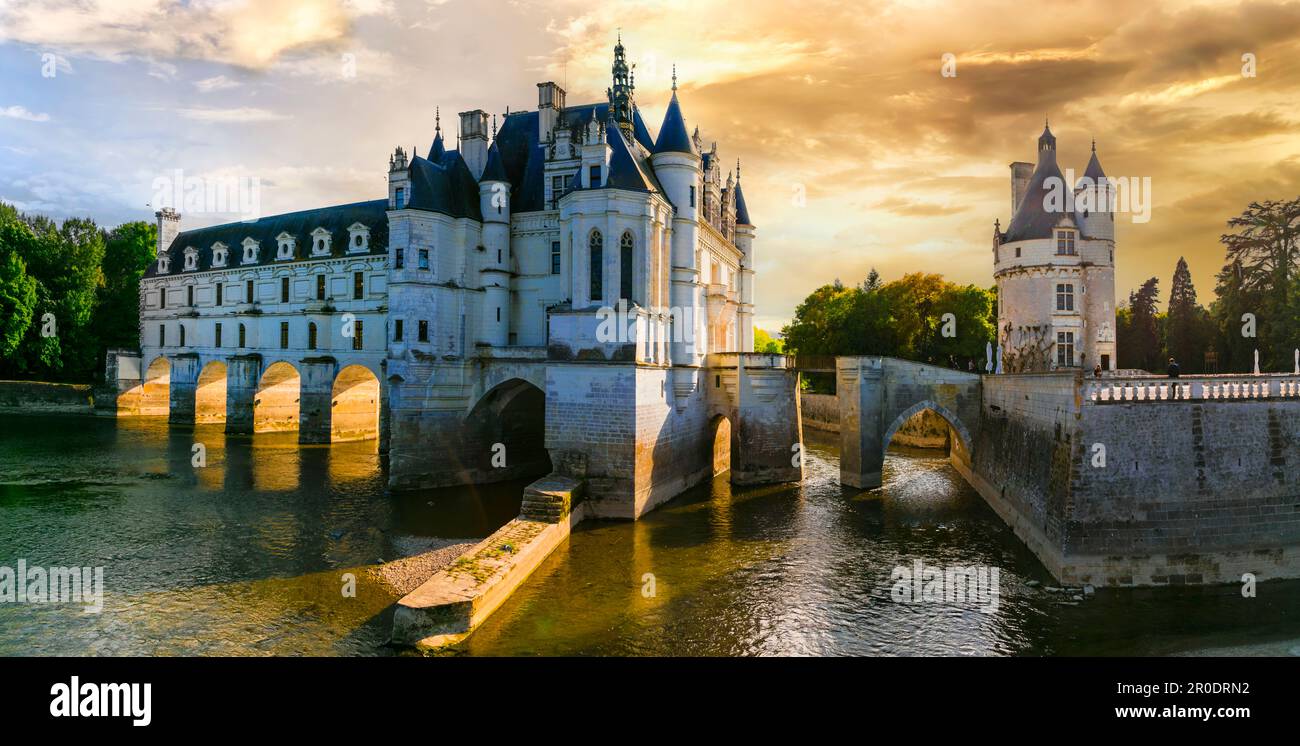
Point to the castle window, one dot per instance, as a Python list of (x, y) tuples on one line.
[(220, 253), (397, 330), (284, 289), (189, 295), (357, 334), (692, 195), (424, 258), (596, 249), (594, 176), (182, 331), (358, 285), (399, 200), (250, 250), (555, 257), (1065, 243), (164, 265), (284, 335), (321, 240), (625, 253), (1064, 349), (1017, 252), (191, 258), (162, 298), (286, 243), (1065, 297), (311, 335), (249, 295), (358, 238), (162, 335), (424, 331), (216, 336), (220, 299), (243, 337), (320, 287), (399, 258)]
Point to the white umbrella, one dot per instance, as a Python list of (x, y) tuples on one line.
[(1297, 362), (999, 369), (1256, 361), (988, 357)]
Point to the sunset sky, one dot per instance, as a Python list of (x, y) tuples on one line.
[(903, 169)]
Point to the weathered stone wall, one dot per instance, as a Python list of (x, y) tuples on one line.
[(1143, 493), (45, 398), (820, 411)]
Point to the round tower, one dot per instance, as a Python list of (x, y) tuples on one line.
[(494, 203), (677, 166)]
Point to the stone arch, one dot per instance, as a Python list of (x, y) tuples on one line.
[(354, 405), (506, 432), (720, 435), (276, 405), (155, 391), (210, 393), (963, 434)]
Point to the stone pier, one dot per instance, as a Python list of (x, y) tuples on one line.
[(315, 396), (184, 384), (242, 374)]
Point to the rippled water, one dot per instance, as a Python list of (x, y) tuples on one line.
[(247, 555)]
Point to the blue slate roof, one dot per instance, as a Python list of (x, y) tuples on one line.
[(446, 186), (1032, 219), (742, 211), (300, 224), (495, 170), (673, 137)]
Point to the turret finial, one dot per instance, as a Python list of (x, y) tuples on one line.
[(674, 77), (494, 126), (1094, 145), (437, 119), (737, 170)]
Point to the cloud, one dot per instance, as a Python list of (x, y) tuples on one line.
[(242, 115), (21, 112), (215, 83)]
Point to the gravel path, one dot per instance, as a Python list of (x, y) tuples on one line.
[(427, 557)]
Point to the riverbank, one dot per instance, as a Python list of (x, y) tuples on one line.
[(42, 397)]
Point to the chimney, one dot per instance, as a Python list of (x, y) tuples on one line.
[(474, 140), (1020, 173), (550, 102), (169, 226)]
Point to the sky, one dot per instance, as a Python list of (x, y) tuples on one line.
[(870, 133)]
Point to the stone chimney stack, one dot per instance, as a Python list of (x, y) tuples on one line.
[(550, 102), (474, 140), (169, 226), (1020, 173)]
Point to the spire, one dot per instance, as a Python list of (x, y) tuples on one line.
[(742, 211), (621, 93), (1046, 141), (437, 150), (494, 170), (1093, 171), (674, 77), (672, 133)]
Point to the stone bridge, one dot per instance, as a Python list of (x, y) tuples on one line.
[(878, 394)]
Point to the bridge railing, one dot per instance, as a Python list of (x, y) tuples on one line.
[(1191, 388)]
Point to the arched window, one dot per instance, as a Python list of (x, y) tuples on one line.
[(597, 246), (311, 335), (182, 328), (625, 266)]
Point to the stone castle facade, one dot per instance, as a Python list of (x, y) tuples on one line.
[(564, 289), (1055, 267)]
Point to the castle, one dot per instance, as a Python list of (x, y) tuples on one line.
[(566, 290), (1055, 267)]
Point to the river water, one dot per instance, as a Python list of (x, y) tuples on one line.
[(250, 555)]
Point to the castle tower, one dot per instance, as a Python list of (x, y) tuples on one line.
[(494, 202), (677, 165), (745, 242), (169, 226), (1055, 269)]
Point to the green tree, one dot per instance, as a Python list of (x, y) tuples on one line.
[(1262, 250), (1137, 336), (17, 297), (764, 342), (128, 251), (1189, 334)]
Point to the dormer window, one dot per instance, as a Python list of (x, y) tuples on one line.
[(1065, 243), (251, 248), (286, 246), (320, 242), (358, 238), (191, 258), (220, 254), (164, 264)]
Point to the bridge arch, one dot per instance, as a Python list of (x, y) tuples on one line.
[(354, 405), (210, 393), (720, 432), (506, 432), (276, 405), (155, 390), (954, 422)]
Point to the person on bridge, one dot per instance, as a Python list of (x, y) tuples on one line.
[(1176, 390), (1173, 368), (1096, 371)]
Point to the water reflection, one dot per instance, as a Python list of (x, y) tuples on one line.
[(247, 556)]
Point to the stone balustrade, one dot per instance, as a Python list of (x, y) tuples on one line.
[(1191, 388)]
